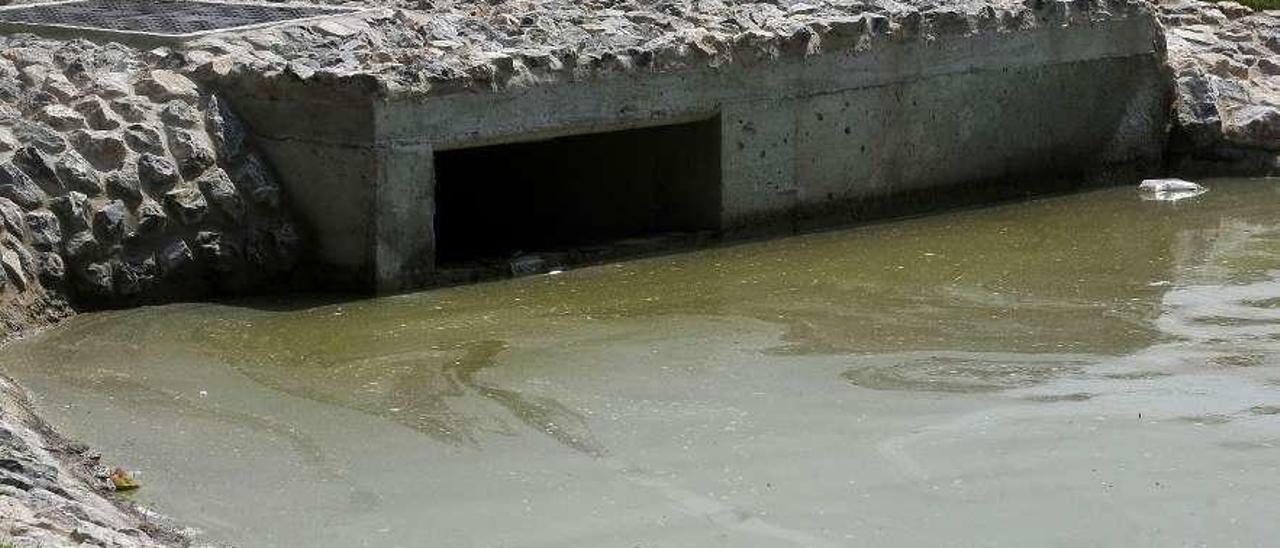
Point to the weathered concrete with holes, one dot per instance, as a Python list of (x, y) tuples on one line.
[(799, 141)]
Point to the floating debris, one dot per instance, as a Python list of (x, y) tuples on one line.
[(123, 481), (1169, 190)]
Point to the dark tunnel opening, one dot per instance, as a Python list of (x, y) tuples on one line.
[(498, 201)]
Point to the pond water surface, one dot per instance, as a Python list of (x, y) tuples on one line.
[(1091, 369)]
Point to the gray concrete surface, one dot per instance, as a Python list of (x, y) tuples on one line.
[(806, 140)]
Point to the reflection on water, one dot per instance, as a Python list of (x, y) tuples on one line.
[(811, 391), (538, 413)]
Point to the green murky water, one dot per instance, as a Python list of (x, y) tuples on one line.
[(1089, 369)]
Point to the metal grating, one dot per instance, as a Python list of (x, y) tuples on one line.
[(158, 17)]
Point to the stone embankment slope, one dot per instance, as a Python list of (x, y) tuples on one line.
[(52, 490), (1226, 61), (120, 183)]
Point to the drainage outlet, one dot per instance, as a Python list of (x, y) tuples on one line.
[(150, 20), (575, 192)]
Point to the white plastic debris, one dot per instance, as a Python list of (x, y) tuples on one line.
[(1169, 190)]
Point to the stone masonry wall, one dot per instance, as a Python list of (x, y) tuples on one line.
[(1226, 63), (122, 182)]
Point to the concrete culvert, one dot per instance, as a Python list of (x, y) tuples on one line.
[(495, 201)]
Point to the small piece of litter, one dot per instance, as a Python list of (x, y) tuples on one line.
[(122, 482), (1169, 190)]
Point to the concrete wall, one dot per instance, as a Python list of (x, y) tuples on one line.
[(804, 141)]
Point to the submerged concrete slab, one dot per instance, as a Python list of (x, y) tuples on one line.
[(845, 120)]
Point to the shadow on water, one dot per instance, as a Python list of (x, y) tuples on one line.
[(864, 214), (537, 412), (433, 390), (427, 397), (436, 389)]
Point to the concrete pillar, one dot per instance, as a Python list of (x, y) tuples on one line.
[(403, 215)]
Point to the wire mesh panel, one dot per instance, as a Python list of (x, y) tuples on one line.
[(161, 17)]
